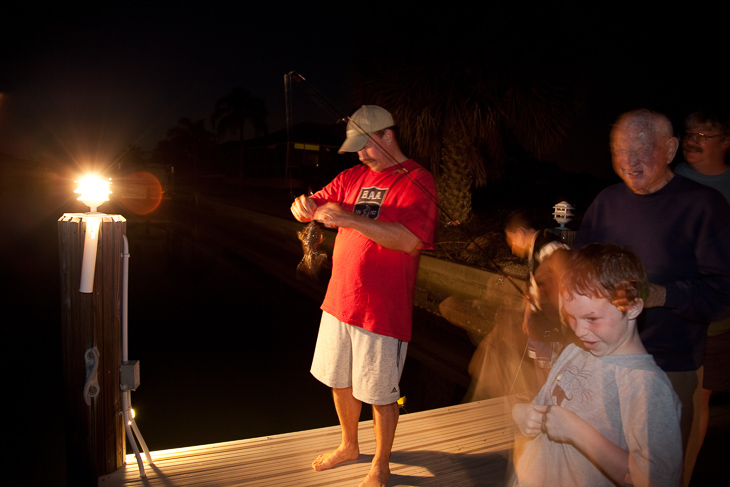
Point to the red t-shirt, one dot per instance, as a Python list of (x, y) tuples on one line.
[(372, 286)]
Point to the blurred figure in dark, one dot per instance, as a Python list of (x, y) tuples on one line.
[(546, 255)]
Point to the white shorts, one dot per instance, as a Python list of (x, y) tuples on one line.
[(348, 355)]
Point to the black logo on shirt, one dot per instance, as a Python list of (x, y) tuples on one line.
[(369, 202)]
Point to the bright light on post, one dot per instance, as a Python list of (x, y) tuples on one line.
[(94, 191)]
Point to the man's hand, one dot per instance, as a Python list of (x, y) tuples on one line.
[(657, 296), (392, 235), (303, 208), (627, 294), (332, 215)]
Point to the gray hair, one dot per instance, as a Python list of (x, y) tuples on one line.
[(648, 121)]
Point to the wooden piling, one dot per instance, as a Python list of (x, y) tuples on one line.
[(95, 442)]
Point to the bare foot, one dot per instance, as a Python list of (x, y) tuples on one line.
[(329, 460), (376, 477)]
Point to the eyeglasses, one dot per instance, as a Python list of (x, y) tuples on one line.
[(699, 137)]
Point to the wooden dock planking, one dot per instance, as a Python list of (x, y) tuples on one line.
[(464, 445)]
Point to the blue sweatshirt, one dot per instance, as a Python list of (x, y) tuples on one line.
[(682, 235)]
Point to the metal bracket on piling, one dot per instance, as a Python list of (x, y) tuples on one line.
[(91, 386)]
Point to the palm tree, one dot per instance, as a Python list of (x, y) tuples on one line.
[(231, 114), (464, 107)]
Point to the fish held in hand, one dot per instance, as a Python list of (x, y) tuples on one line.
[(314, 259)]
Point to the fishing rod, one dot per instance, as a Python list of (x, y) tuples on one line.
[(328, 106)]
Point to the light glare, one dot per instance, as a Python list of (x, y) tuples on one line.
[(94, 190)]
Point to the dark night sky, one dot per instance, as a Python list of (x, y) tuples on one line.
[(79, 82), (91, 80)]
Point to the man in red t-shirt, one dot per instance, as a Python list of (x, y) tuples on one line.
[(385, 213)]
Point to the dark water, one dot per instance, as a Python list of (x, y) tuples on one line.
[(224, 348), (33, 448)]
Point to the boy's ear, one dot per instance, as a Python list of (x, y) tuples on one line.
[(634, 309)]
